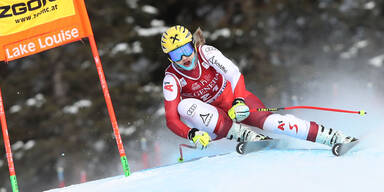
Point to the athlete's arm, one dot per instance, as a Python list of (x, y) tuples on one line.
[(171, 91)]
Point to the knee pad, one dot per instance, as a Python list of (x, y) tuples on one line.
[(198, 114)]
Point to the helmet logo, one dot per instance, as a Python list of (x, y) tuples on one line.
[(175, 38)]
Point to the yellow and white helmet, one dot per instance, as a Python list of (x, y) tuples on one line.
[(174, 38)]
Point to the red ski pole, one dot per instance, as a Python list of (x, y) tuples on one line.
[(361, 112), (181, 159)]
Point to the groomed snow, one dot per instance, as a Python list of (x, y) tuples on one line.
[(312, 169)]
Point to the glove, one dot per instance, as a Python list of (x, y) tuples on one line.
[(200, 138), (239, 110)]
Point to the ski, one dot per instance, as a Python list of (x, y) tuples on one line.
[(248, 147), (198, 158), (340, 149)]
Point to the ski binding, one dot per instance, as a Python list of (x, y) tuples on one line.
[(342, 148), (247, 147)]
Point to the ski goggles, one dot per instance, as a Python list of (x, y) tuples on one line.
[(185, 50)]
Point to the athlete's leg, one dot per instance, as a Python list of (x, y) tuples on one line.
[(302, 129), (214, 121), (205, 117), (281, 124), (291, 125), (255, 119)]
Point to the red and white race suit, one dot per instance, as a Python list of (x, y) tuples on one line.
[(200, 99)]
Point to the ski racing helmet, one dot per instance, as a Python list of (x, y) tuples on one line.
[(175, 37)]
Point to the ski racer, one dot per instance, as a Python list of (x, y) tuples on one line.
[(205, 98)]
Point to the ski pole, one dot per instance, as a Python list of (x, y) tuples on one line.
[(181, 150), (361, 112)]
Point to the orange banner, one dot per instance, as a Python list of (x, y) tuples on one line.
[(28, 27)]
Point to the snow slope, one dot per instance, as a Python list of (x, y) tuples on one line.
[(281, 169)]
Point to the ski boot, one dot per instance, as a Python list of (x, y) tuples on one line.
[(242, 133), (331, 137)]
